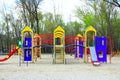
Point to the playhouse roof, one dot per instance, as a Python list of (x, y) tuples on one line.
[(59, 31), (59, 28), (27, 29), (79, 35), (90, 28)]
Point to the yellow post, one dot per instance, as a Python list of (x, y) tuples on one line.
[(37, 39)]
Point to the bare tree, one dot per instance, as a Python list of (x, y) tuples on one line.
[(114, 2), (6, 26), (30, 12)]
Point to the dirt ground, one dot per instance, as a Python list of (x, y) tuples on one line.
[(43, 69)]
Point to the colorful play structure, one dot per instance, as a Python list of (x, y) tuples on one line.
[(31, 46), (37, 47), (27, 39), (79, 46), (92, 45), (59, 45), (87, 47)]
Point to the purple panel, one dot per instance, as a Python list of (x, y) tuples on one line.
[(76, 50), (27, 42), (77, 56), (79, 49), (101, 46), (27, 55)]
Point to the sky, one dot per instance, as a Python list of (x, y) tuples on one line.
[(64, 7)]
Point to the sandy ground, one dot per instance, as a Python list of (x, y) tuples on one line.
[(44, 70)]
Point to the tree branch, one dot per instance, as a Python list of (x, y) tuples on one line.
[(115, 2)]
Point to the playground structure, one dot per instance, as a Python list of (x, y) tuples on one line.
[(89, 46), (27, 39), (95, 46), (82, 46), (59, 48), (87, 43), (37, 47), (79, 46), (92, 45)]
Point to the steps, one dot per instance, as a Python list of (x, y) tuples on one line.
[(59, 54), (59, 61), (59, 58)]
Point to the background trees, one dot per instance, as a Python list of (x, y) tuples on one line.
[(103, 15), (113, 2), (29, 11)]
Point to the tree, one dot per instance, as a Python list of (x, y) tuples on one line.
[(6, 18), (104, 17), (49, 22), (86, 16), (30, 12), (73, 28), (114, 2)]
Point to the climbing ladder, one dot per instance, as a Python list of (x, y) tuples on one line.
[(59, 54)]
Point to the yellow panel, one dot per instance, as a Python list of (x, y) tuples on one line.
[(58, 33), (58, 36), (59, 28), (79, 35), (27, 29), (90, 28)]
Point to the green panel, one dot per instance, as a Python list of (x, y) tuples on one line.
[(19, 43)]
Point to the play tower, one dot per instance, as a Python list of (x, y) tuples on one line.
[(37, 46), (79, 46), (59, 45), (27, 39), (89, 35)]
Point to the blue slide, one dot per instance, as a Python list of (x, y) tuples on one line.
[(94, 56)]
